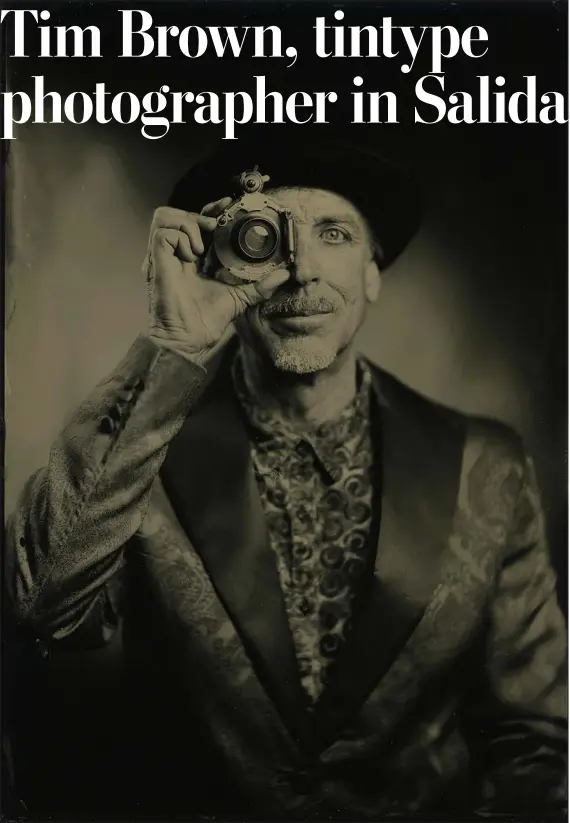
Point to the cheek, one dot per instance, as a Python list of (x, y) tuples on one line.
[(344, 269)]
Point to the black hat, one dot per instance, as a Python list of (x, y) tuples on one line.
[(384, 191)]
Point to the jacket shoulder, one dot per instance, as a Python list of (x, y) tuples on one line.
[(492, 434)]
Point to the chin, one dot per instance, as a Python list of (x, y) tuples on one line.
[(302, 356)]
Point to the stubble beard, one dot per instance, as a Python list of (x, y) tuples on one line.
[(303, 356)]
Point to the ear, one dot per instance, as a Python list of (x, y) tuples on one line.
[(372, 281)]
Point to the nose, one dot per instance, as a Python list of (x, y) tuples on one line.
[(306, 268)]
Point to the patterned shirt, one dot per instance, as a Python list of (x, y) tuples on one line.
[(316, 490)]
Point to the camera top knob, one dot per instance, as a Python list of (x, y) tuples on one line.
[(252, 180)]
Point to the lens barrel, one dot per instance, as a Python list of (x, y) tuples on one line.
[(256, 238)]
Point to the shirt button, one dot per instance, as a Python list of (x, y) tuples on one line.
[(107, 425)]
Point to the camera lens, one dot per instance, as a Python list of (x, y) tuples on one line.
[(257, 239)]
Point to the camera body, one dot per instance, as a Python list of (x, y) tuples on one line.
[(254, 235)]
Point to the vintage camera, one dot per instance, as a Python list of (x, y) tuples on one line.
[(254, 235)]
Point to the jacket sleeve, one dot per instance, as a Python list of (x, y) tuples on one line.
[(522, 722), (64, 539)]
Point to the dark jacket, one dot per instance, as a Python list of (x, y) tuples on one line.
[(450, 694)]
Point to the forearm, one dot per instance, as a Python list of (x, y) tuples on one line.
[(64, 540)]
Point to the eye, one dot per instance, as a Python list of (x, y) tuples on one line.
[(334, 235)]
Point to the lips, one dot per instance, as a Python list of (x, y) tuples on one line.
[(294, 324), (298, 313), (297, 308)]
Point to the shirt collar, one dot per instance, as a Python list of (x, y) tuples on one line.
[(331, 441)]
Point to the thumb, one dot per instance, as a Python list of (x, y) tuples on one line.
[(249, 294)]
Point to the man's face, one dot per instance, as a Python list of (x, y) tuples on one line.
[(315, 315)]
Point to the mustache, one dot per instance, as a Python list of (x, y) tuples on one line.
[(297, 304)]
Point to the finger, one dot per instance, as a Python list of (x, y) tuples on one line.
[(210, 265), (146, 264), (166, 217), (252, 293), (216, 207), (206, 223), (196, 241), (166, 244), (271, 282), (185, 221), (171, 242), (162, 246)]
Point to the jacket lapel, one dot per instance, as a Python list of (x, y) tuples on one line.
[(208, 476), (419, 456), (209, 479)]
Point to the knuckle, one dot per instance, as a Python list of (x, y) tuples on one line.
[(163, 237), (159, 214), (183, 218), (188, 224)]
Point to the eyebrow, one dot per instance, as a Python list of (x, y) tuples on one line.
[(338, 218)]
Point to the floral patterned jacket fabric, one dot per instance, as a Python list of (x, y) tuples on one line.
[(449, 696)]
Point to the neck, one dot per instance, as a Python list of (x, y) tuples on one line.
[(303, 399)]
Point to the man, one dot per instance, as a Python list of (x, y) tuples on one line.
[(336, 595)]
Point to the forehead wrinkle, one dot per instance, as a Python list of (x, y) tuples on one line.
[(312, 210)]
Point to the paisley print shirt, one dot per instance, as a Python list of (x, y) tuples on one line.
[(316, 491)]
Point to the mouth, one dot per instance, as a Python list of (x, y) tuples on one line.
[(299, 322), (299, 313)]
